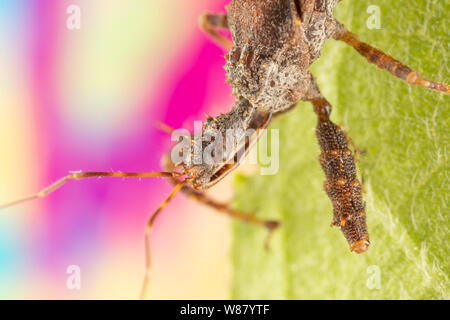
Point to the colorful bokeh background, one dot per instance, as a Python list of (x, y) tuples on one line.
[(89, 99)]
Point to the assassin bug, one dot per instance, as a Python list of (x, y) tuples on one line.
[(274, 44)]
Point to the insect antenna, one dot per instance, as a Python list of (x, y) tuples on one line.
[(78, 175), (165, 128)]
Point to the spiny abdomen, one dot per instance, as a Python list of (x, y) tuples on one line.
[(342, 185)]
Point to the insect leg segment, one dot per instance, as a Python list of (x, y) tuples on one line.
[(388, 63), (225, 208), (215, 20), (356, 149), (148, 231), (210, 23), (83, 175), (342, 184)]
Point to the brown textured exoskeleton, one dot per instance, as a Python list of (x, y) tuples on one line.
[(274, 44)]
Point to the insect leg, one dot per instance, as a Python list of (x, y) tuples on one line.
[(165, 128), (224, 208), (386, 62), (83, 175), (210, 23), (353, 144), (148, 230)]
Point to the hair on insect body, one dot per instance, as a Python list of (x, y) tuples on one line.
[(274, 43)]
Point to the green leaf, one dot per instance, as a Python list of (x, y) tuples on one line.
[(405, 133)]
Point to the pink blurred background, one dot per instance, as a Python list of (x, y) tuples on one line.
[(89, 99)]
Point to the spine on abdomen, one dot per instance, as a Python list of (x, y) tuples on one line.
[(342, 184)]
